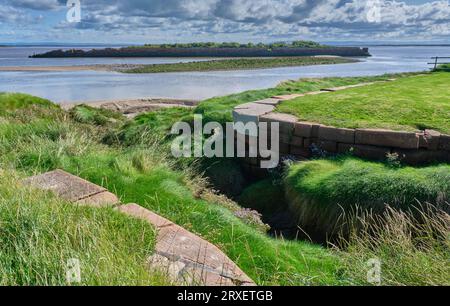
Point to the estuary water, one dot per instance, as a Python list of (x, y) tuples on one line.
[(65, 87)]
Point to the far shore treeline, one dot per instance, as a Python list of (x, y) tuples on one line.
[(210, 49)]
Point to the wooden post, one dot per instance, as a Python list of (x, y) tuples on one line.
[(435, 63)]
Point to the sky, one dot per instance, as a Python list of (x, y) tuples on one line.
[(168, 21)]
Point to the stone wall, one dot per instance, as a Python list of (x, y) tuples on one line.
[(307, 139)]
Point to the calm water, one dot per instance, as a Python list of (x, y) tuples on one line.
[(92, 85)]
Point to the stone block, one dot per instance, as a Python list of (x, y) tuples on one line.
[(365, 151), (303, 129), (286, 121), (139, 212), (444, 142), (288, 97), (300, 151), (327, 145), (386, 138), (422, 156), (270, 101), (65, 185), (104, 198), (297, 141), (429, 139), (337, 134)]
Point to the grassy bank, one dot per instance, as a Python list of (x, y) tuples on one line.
[(320, 191), (43, 137), (238, 64), (411, 103), (220, 108), (41, 233)]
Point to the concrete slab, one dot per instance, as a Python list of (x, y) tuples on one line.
[(186, 257), (270, 101), (288, 97), (65, 185)]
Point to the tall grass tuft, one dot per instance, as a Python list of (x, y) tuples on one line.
[(40, 233), (413, 247)]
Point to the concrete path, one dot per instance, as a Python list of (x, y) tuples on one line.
[(183, 256), (134, 107)]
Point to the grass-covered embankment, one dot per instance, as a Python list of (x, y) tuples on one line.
[(238, 64), (322, 192), (42, 137), (40, 234), (411, 103), (220, 108)]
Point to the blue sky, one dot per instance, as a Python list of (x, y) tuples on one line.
[(151, 21)]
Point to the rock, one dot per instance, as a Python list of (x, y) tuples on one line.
[(386, 138)]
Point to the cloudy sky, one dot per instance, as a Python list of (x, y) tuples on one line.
[(150, 21)]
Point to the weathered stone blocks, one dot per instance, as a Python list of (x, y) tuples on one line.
[(287, 122), (337, 134), (365, 151), (429, 139), (444, 142), (386, 138)]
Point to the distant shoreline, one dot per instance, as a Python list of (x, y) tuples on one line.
[(205, 52), (200, 66)]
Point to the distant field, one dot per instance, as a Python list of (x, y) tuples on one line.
[(238, 64), (409, 103)]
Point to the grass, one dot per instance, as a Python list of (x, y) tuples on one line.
[(141, 174), (220, 109), (410, 103), (411, 251), (238, 64), (40, 233), (130, 159), (320, 191)]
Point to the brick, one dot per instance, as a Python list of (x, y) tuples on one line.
[(444, 142), (386, 138), (286, 121), (365, 151), (337, 134)]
